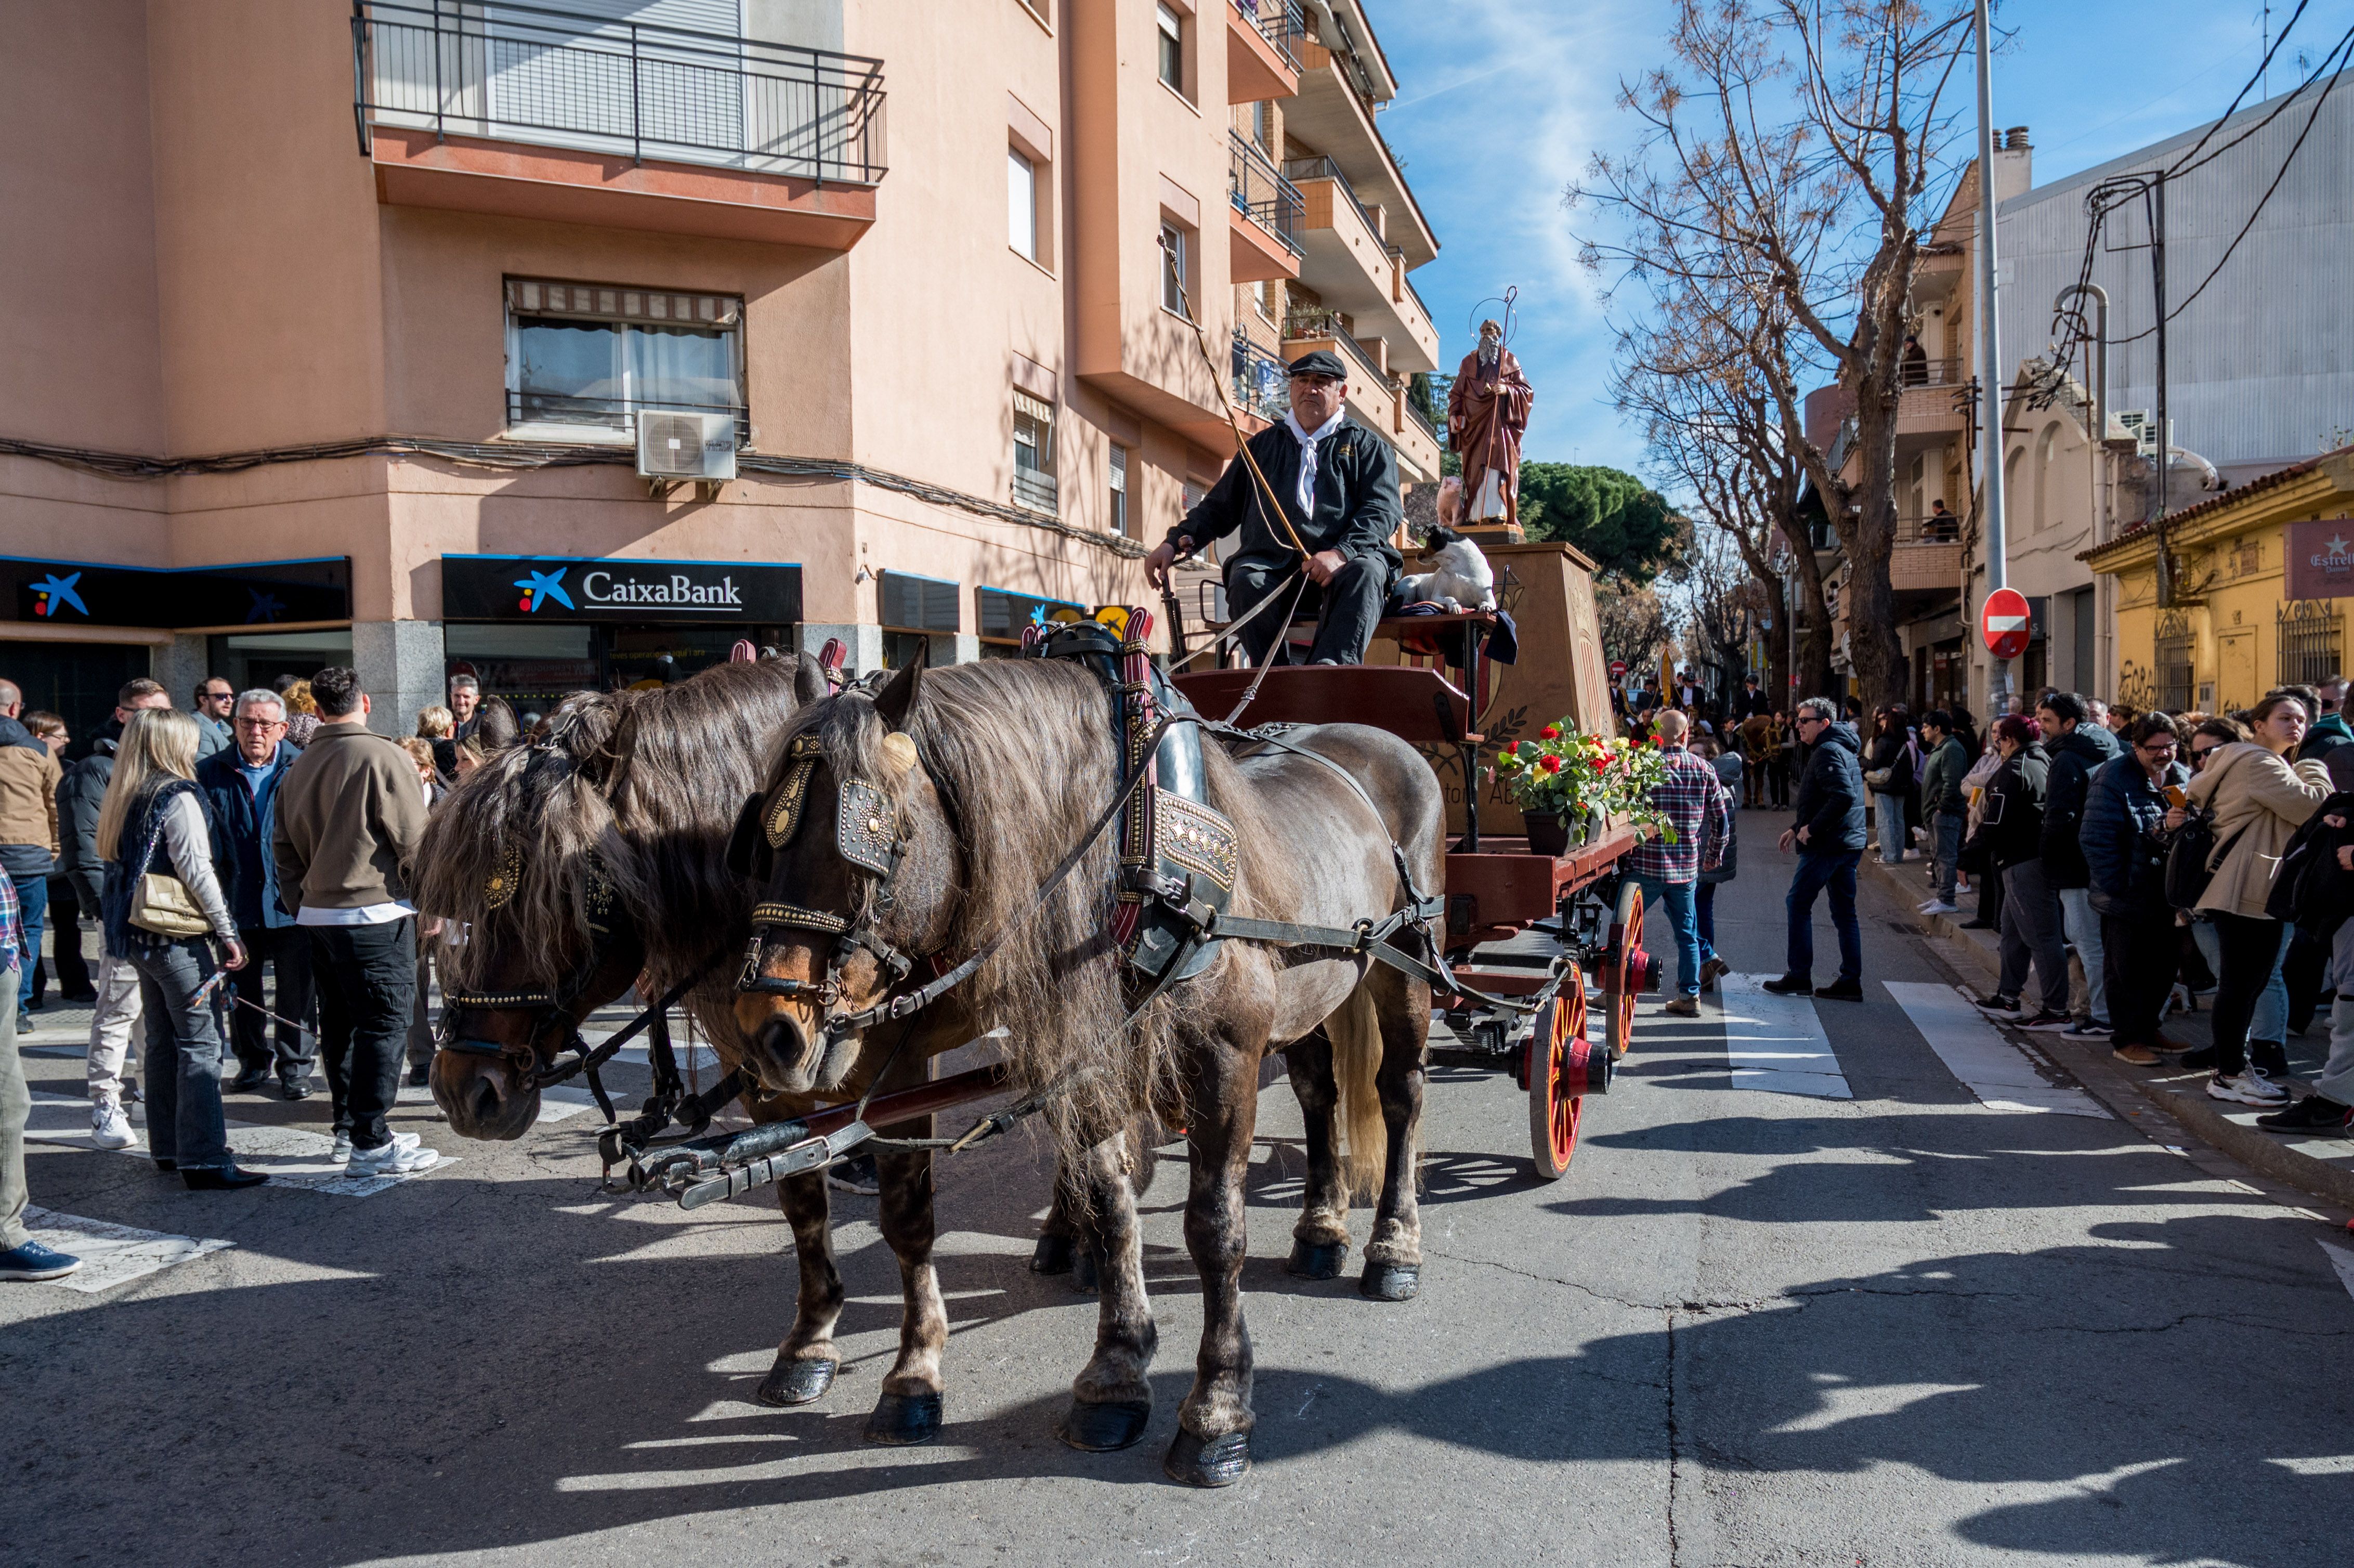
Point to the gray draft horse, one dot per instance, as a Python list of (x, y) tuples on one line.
[(983, 776)]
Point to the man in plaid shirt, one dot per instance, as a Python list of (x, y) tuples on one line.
[(1696, 805), (21, 1257)]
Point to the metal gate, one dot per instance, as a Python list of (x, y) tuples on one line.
[(2311, 639), (2174, 640)]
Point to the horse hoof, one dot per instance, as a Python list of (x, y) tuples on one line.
[(1084, 1278), (1219, 1462), (904, 1420), (1053, 1256), (1391, 1281), (792, 1382), (1318, 1260), (1101, 1428)]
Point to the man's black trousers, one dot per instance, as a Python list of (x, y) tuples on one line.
[(2139, 950), (1346, 610), (287, 950), (367, 982)]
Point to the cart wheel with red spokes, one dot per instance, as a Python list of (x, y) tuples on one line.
[(1630, 970), (1556, 1069)]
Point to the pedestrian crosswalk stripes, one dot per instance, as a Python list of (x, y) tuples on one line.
[(112, 1255), (1998, 1072), (1776, 1043), (2342, 1260)]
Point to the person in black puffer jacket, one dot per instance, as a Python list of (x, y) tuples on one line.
[(2010, 840), (2124, 849), (1828, 836), (2078, 746)]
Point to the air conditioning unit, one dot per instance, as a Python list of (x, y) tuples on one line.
[(2140, 426), (686, 446)]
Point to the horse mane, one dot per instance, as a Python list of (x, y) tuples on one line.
[(538, 809), (686, 757), (1021, 752)]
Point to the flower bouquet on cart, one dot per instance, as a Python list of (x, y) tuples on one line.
[(1570, 786)]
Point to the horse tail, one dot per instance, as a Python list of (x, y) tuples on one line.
[(1355, 1030)]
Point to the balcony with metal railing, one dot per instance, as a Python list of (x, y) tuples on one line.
[(1926, 555), (1352, 267), (1262, 383), (1035, 489), (1264, 230), (1263, 39), (536, 112)]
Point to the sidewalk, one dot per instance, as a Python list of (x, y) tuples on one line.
[(2321, 1166)]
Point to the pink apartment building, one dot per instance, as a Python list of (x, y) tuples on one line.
[(335, 326)]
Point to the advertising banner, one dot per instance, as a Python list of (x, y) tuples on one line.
[(2321, 559), (558, 588)]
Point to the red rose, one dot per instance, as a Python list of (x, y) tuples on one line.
[(1550, 732), (1551, 765), (1601, 765)]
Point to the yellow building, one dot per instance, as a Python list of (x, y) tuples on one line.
[(2234, 632)]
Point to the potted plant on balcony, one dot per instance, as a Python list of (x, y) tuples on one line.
[(1569, 785)]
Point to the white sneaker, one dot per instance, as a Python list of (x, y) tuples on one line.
[(109, 1127), (392, 1158), (1941, 907), (2249, 1087)]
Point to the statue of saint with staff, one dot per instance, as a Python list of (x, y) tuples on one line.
[(1486, 414)]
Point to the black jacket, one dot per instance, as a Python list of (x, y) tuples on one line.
[(2011, 831), (1830, 793), (81, 793), (1356, 499), (2074, 758), (241, 850), (2121, 837)]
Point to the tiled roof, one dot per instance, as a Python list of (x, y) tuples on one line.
[(2271, 481)]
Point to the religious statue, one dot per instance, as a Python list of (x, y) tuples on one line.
[(1486, 414)]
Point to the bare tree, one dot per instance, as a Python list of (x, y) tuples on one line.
[(1784, 175), (1633, 622), (1714, 430)]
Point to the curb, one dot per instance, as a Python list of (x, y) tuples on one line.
[(2122, 1090)]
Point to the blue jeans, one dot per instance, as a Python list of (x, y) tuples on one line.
[(1888, 811), (1704, 919), (1948, 851), (1815, 874), (1676, 897), (183, 1056), (33, 899)]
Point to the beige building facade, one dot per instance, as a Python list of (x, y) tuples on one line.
[(340, 325)]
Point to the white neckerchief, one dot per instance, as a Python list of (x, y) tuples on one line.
[(1309, 441)]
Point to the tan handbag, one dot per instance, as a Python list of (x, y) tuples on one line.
[(163, 904)]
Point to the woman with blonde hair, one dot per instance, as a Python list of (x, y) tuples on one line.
[(302, 713), (155, 823)]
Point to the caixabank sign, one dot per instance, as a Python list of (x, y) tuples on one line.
[(236, 594), (559, 587)]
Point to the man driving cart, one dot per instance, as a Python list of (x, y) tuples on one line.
[(1335, 493)]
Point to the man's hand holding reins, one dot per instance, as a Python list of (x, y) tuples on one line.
[(1163, 556)]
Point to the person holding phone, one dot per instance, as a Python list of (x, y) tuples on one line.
[(2008, 842), (2125, 803)]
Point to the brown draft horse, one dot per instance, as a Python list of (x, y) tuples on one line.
[(983, 776), (621, 807)]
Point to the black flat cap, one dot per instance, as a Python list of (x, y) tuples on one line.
[(1319, 362)]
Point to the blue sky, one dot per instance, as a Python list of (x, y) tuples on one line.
[(1502, 102)]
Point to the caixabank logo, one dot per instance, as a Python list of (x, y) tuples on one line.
[(53, 594), (245, 593), (544, 587)]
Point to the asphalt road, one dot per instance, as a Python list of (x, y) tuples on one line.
[(1794, 1303)]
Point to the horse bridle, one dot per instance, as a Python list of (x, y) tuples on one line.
[(554, 1007), (871, 834)]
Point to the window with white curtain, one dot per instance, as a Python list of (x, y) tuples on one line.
[(582, 359), (1022, 203), (1174, 279), (1118, 511)]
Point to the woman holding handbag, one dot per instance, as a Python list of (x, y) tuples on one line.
[(163, 910)]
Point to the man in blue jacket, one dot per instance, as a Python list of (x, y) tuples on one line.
[(2078, 746), (1828, 836), (2125, 861), (243, 784)]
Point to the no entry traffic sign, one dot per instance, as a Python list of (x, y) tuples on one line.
[(2003, 622), (1617, 669)]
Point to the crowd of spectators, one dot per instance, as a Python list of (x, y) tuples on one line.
[(242, 863)]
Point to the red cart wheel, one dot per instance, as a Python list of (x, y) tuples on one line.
[(1629, 973), (1555, 1070)]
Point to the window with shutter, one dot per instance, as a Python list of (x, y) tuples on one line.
[(1033, 453)]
